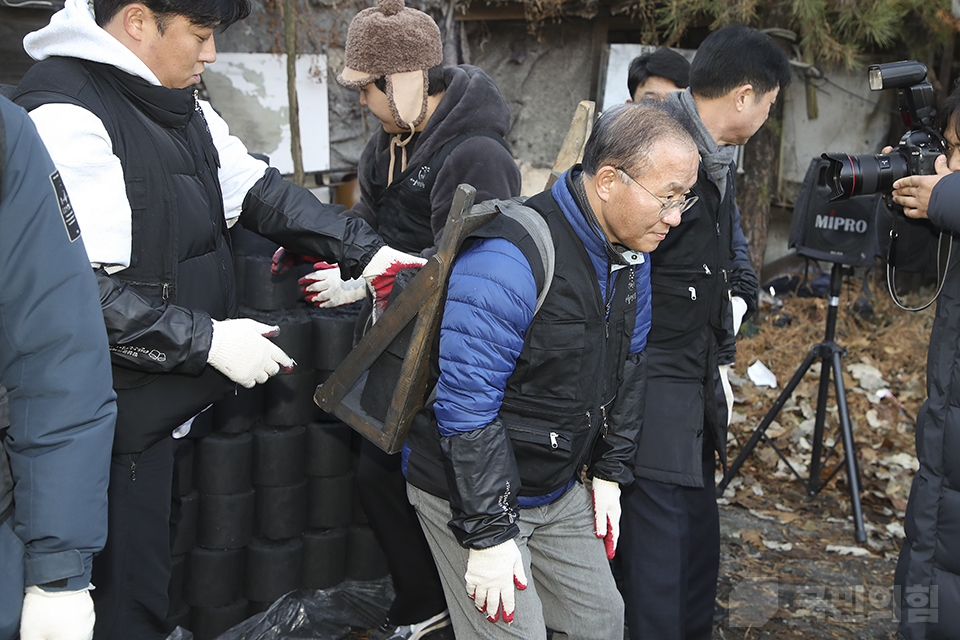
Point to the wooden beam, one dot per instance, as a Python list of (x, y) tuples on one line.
[(421, 303), (571, 151), (503, 13)]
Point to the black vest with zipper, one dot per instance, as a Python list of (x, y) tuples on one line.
[(180, 249), (567, 373), (688, 270), (179, 243)]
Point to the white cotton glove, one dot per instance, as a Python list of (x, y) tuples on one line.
[(606, 513), (739, 306), (727, 389), (491, 575), (56, 615), (380, 272), (241, 351), (324, 287)]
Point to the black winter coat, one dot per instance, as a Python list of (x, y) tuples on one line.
[(928, 572)]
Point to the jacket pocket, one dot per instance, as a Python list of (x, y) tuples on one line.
[(553, 361), (543, 456), (679, 308)]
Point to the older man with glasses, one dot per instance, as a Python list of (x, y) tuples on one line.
[(526, 398)]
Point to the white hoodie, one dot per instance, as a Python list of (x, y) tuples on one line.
[(83, 153)]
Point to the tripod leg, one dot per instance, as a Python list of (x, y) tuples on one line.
[(767, 419), (853, 474), (816, 455)]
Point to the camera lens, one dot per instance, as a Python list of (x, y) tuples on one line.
[(848, 176)]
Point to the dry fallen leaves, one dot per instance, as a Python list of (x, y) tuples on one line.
[(824, 583)]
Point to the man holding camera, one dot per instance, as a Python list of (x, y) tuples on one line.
[(928, 573)]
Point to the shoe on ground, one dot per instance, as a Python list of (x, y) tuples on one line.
[(388, 631)]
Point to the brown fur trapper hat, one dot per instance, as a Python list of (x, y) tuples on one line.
[(399, 44)]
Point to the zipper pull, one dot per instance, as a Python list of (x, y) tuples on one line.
[(553, 440), (706, 269), (603, 414), (133, 470), (693, 292), (166, 290)]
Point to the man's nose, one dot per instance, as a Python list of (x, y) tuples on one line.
[(209, 52), (672, 217)]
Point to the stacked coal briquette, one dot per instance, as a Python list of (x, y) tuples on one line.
[(265, 502)]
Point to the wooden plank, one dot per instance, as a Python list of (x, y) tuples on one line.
[(381, 334), (422, 300), (571, 151)]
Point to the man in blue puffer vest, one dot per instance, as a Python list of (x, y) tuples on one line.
[(525, 400)]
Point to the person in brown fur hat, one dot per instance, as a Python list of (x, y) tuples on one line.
[(398, 44), (440, 127)]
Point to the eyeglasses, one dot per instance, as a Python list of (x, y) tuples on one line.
[(679, 205)]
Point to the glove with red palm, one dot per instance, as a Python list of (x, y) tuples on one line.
[(324, 287), (491, 575), (382, 270), (606, 512)]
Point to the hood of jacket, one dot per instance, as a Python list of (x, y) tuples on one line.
[(471, 102), (73, 33)]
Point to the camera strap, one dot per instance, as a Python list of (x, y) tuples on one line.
[(944, 248)]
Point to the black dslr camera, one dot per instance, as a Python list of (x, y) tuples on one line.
[(848, 176)]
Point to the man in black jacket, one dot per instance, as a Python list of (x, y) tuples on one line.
[(156, 181), (702, 285)]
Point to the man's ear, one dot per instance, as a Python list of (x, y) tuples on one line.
[(604, 181), (135, 19), (741, 94)]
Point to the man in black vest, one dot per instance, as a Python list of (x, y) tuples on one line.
[(440, 126), (156, 180), (526, 398), (702, 286)]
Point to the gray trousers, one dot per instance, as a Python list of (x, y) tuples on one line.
[(570, 586)]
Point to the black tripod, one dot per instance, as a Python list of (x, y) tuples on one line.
[(829, 353)]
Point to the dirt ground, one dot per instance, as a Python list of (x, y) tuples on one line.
[(790, 566)]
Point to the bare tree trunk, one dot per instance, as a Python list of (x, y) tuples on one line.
[(290, 38), (754, 187), (761, 165), (450, 57)]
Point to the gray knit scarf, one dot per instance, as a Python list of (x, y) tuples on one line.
[(716, 160)]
